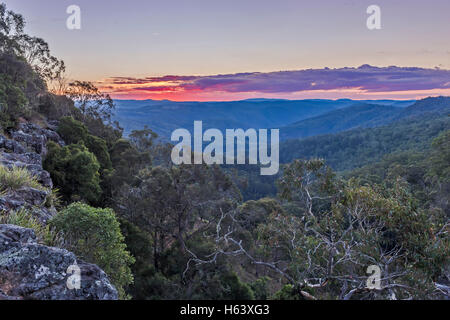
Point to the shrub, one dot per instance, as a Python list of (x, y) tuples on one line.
[(95, 236), (99, 148), (72, 131), (140, 245), (75, 171)]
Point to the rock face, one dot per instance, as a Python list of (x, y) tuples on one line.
[(25, 149), (35, 138), (29, 270)]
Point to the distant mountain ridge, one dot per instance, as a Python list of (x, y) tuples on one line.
[(165, 116), (363, 116), (355, 116)]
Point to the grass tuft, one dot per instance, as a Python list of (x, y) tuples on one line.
[(23, 218), (16, 178)]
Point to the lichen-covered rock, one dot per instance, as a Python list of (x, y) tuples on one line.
[(25, 149), (29, 270), (34, 200)]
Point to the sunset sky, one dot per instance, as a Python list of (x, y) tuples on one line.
[(238, 49)]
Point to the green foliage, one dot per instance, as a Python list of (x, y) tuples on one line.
[(235, 289), (426, 172), (19, 87), (440, 157), (15, 178), (127, 161), (359, 147), (55, 107), (72, 131), (99, 148), (347, 225), (76, 134), (14, 41), (140, 246), (95, 236), (260, 288), (288, 292), (75, 171)]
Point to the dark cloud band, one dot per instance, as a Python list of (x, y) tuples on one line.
[(367, 78)]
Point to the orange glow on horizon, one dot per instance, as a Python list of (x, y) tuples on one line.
[(179, 94)]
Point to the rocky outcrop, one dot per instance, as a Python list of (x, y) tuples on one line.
[(34, 200), (25, 149), (34, 138), (31, 161), (29, 270)]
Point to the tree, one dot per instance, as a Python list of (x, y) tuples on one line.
[(127, 161), (19, 88), (440, 157), (143, 139), (92, 103), (340, 228), (73, 132), (96, 110), (13, 40), (171, 204), (94, 235), (11, 29)]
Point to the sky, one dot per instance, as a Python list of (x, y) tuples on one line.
[(237, 49)]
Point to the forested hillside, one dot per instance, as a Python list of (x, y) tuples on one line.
[(162, 231), (358, 147), (355, 148), (357, 116)]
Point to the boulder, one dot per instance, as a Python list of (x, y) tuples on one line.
[(29, 270)]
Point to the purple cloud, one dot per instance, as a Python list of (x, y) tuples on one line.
[(366, 77)]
